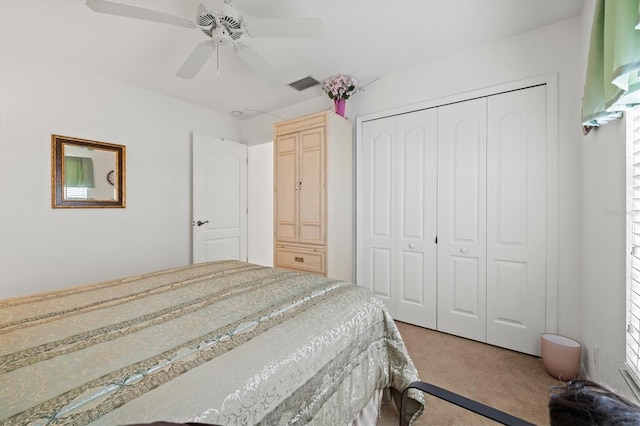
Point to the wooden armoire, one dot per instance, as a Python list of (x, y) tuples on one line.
[(313, 195)]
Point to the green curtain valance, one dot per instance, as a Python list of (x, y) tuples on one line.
[(78, 172), (613, 68)]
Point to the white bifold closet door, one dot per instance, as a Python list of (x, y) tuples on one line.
[(517, 219), (462, 217), (399, 214), (492, 219)]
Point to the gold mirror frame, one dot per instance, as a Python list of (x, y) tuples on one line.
[(111, 173)]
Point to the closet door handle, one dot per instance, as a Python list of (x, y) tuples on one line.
[(464, 250), (412, 245)]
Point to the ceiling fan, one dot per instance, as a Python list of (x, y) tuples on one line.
[(224, 27)]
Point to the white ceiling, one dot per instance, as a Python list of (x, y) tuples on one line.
[(365, 38)]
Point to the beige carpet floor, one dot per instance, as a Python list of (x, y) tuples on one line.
[(509, 381)]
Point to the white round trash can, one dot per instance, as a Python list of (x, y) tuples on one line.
[(560, 356)]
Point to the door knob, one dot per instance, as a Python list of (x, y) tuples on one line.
[(412, 245), (200, 223), (464, 250)]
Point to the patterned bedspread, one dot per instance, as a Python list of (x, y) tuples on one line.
[(223, 342)]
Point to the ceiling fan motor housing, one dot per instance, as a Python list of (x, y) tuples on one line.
[(221, 27), (220, 36)]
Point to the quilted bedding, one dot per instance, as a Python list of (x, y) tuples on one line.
[(223, 342)]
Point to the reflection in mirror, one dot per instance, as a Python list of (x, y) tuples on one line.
[(87, 173)]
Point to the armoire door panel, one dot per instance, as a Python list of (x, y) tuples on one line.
[(516, 225), (286, 192), (312, 139), (311, 187), (287, 144), (461, 219), (287, 231)]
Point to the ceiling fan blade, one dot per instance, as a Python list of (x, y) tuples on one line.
[(196, 60), (256, 62), (110, 8), (294, 27)]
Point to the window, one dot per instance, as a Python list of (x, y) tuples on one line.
[(75, 193), (631, 370)]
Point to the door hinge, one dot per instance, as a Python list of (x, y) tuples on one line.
[(436, 241)]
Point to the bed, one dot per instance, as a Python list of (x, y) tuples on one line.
[(223, 342)]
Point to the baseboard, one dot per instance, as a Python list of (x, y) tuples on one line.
[(631, 382)]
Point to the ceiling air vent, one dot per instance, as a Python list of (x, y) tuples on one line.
[(304, 83)]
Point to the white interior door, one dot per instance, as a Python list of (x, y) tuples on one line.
[(516, 219), (219, 199), (378, 212), (417, 166), (462, 219)]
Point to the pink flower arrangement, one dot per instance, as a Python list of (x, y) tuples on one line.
[(340, 86)]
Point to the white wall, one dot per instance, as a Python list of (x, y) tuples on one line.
[(603, 212), (43, 248), (603, 253), (260, 229)]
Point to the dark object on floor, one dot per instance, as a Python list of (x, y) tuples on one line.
[(461, 401), (583, 402)]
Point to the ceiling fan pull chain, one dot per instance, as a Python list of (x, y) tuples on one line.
[(217, 61)]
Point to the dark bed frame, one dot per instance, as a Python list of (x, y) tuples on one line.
[(461, 401)]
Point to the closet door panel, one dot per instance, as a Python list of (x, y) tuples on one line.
[(378, 210), (286, 192), (516, 213), (461, 219), (416, 217), (381, 275), (464, 291), (311, 187)]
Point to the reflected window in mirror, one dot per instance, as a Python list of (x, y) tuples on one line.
[(87, 173)]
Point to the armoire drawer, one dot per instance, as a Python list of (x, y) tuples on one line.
[(301, 259)]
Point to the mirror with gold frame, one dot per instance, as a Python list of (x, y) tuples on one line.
[(86, 173)]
